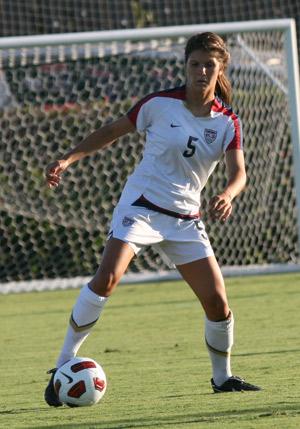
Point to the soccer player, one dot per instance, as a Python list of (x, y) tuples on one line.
[(188, 130)]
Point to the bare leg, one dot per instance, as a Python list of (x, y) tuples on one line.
[(205, 278), (116, 258)]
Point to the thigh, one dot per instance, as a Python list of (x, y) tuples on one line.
[(205, 278), (116, 258)]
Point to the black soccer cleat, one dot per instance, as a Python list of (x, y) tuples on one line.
[(50, 395), (234, 384)]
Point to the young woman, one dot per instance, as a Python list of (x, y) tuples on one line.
[(188, 129)]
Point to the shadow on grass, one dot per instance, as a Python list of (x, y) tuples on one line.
[(140, 422), (274, 352), (23, 411)]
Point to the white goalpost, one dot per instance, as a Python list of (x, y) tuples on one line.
[(54, 89)]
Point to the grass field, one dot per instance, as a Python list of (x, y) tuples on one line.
[(150, 343)]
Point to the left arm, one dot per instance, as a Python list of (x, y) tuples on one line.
[(220, 206)]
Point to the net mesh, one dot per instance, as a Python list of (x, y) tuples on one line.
[(61, 16), (53, 97), (19, 18)]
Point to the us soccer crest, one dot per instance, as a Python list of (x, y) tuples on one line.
[(210, 135), (127, 221)]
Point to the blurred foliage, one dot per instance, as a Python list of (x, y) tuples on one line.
[(142, 17)]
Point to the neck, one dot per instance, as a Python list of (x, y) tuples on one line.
[(198, 103)]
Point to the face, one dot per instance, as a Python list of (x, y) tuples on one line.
[(202, 71)]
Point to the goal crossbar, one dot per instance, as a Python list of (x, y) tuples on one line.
[(144, 33)]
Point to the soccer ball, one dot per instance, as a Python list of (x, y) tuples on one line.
[(80, 382)]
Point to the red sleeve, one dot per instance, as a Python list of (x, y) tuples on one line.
[(236, 142)]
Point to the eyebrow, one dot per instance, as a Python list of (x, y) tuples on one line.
[(206, 61)]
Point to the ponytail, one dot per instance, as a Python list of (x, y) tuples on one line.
[(224, 89)]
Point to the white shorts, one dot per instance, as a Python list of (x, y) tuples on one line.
[(181, 240)]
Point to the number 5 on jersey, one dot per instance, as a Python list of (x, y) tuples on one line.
[(191, 147)]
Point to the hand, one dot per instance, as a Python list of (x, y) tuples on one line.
[(54, 171), (220, 207)]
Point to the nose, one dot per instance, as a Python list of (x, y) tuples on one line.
[(202, 69)]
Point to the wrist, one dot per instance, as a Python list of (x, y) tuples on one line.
[(229, 195), (67, 159)]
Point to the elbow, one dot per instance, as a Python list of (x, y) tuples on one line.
[(245, 179), (239, 180)]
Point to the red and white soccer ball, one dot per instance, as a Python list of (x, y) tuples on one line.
[(80, 382)]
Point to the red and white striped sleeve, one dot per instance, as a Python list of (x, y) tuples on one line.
[(140, 114), (234, 135)]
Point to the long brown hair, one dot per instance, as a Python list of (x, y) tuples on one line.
[(212, 43)]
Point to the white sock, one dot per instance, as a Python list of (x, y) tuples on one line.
[(219, 340), (85, 314)]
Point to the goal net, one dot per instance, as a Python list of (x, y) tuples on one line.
[(54, 91)]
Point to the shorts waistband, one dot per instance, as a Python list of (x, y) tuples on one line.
[(143, 202)]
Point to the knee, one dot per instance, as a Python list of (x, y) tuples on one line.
[(105, 281), (217, 308)]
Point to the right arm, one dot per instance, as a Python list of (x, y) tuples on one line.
[(98, 139)]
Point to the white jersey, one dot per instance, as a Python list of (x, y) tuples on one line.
[(181, 150)]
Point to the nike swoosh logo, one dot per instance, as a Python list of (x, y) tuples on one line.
[(68, 377), (175, 126)]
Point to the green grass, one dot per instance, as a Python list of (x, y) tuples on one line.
[(150, 342)]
